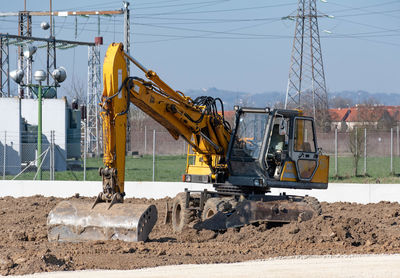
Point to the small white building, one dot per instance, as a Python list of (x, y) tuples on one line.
[(18, 131)]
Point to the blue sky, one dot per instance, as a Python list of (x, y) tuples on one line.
[(231, 44)]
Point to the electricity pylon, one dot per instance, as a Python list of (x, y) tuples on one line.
[(306, 87)]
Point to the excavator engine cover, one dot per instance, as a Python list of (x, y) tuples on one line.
[(75, 221)]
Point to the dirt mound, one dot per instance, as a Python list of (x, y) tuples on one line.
[(343, 228)]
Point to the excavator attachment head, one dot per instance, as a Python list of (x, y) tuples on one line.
[(76, 220)]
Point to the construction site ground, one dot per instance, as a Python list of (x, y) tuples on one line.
[(343, 228)]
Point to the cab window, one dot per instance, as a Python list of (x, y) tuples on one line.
[(250, 135), (304, 140)]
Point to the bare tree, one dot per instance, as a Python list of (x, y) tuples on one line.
[(369, 113), (356, 144), (137, 118), (340, 102), (77, 90), (323, 120)]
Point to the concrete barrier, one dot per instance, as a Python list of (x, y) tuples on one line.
[(336, 192), (156, 190), (351, 192)]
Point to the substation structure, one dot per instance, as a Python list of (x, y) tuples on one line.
[(91, 125)]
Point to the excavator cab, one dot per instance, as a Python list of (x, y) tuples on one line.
[(268, 148), (275, 148)]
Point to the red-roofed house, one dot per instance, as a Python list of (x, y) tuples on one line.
[(377, 116)]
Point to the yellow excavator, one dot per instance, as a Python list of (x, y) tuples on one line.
[(266, 148)]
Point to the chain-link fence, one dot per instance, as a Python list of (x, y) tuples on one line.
[(142, 143), (155, 155), (362, 152), (21, 159)]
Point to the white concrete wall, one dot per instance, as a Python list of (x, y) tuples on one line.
[(9, 121), (351, 192), (336, 192), (156, 190), (54, 115)]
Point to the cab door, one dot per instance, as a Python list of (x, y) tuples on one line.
[(304, 150)]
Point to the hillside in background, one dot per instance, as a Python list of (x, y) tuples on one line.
[(343, 98), (231, 98)]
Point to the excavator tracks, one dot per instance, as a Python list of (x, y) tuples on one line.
[(220, 213)]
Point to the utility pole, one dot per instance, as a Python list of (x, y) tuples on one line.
[(4, 67), (51, 19), (93, 97), (127, 31), (127, 46), (306, 87), (24, 29)]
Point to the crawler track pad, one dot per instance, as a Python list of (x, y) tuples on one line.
[(275, 212), (75, 221), (272, 209)]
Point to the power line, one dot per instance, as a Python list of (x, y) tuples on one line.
[(200, 21), (368, 25), (208, 22), (61, 28), (211, 33), (180, 5), (371, 13), (368, 40), (156, 2), (219, 11), (365, 8), (98, 5), (228, 34)]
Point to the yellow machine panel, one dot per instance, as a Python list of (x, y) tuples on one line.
[(289, 172), (322, 173), (199, 167)]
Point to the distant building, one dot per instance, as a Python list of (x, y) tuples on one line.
[(373, 116)]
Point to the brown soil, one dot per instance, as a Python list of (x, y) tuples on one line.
[(343, 228)]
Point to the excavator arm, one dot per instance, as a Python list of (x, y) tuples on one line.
[(196, 121)]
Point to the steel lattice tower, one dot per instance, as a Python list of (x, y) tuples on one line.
[(92, 102), (4, 67), (306, 87), (93, 123), (24, 29)]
